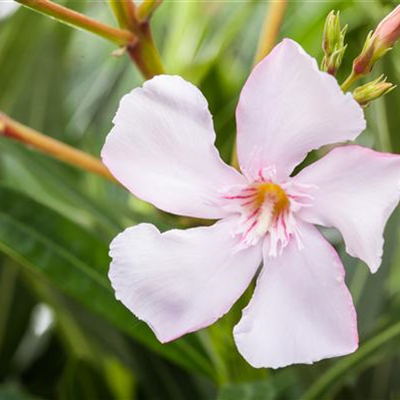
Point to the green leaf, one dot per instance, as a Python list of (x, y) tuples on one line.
[(13, 392), (263, 390), (328, 381), (82, 380), (51, 246), (12, 329)]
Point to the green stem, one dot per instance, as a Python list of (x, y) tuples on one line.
[(146, 9), (119, 12), (145, 54), (138, 40), (77, 20), (352, 78), (124, 11), (319, 389)]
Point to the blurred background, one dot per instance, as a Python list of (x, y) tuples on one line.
[(62, 333)]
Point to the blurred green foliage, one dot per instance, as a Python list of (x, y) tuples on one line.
[(62, 333)]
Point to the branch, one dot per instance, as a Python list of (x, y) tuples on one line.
[(145, 54), (146, 9), (271, 27), (125, 12), (138, 41), (72, 18), (52, 147)]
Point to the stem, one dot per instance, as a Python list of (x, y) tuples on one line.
[(124, 11), (75, 19), (272, 24), (146, 9), (145, 54), (119, 12), (352, 78), (14, 130), (130, 12), (271, 27), (320, 387)]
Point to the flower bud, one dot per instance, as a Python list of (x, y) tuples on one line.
[(378, 43), (331, 32), (333, 44), (388, 31), (332, 63), (372, 91)]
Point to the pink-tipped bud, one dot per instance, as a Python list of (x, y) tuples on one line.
[(378, 43), (388, 31)]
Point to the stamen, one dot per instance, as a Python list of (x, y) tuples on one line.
[(267, 211)]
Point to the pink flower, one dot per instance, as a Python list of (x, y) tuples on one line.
[(162, 149)]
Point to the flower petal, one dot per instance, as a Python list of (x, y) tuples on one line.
[(162, 149), (7, 8), (287, 108), (180, 281), (358, 189), (301, 311)]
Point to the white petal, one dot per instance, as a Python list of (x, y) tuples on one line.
[(7, 8), (180, 281), (162, 149), (358, 189), (288, 108), (301, 311)]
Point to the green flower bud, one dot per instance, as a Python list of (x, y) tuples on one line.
[(333, 44), (331, 32), (372, 91)]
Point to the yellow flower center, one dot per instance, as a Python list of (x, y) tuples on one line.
[(271, 193), (265, 213)]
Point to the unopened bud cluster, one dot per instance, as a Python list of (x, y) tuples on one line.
[(377, 44), (333, 44)]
